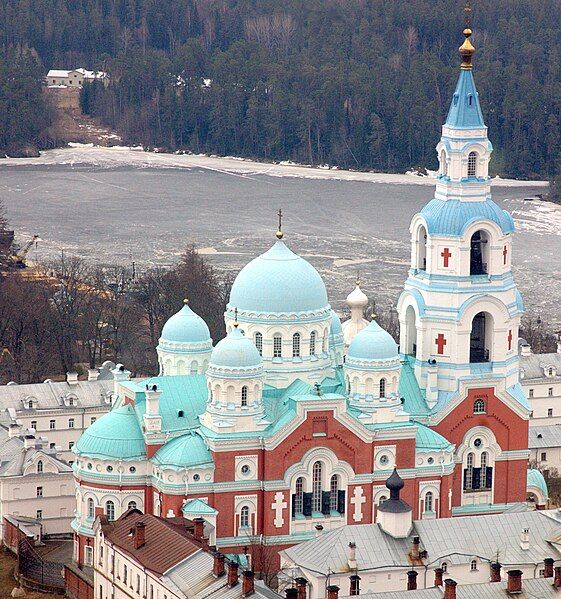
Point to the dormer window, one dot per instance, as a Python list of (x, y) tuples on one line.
[(470, 100), (30, 403)]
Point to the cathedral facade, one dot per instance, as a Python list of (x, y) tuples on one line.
[(294, 421)]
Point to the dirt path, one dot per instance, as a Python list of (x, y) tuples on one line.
[(7, 581)]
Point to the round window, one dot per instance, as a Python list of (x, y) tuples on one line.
[(109, 468), (246, 469), (90, 466), (478, 443), (132, 469), (384, 460), (196, 476), (430, 460)]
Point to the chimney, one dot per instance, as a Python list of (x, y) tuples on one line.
[(248, 587), (291, 593), (557, 579), (438, 572), (198, 530), (559, 346), (301, 587), (139, 535), (319, 530), (525, 350), (352, 556), (450, 589), (218, 567), (93, 374), (332, 592), (411, 580), (72, 378), (415, 548), (232, 574), (548, 567), (514, 584), (495, 572), (29, 441), (14, 430), (355, 585), (525, 539)]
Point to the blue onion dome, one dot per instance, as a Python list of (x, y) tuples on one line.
[(336, 326), (185, 329), (373, 346), (186, 451), (236, 354), (279, 282), (115, 436)]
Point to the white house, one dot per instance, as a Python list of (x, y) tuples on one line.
[(74, 78)]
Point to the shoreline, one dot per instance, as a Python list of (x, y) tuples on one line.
[(136, 157)]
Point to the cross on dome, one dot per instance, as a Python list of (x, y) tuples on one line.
[(280, 234)]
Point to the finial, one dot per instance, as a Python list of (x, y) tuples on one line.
[(280, 234), (317, 387), (358, 278), (185, 301), (467, 50), (236, 323)]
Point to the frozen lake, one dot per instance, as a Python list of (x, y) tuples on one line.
[(117, 205)]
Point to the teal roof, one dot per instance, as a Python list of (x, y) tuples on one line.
[(279, 281), (116, 435), (536, 479), (373, 343), (429, 440), (452, 217), (465, 111), (185, 394), (197, 507), (183, 452), (235, 351), (185, 327), (336, 327), (415, 402)]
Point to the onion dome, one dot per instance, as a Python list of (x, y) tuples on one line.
[(185, 328), (372, 346), (357, 298), (182, 452), (235, 354), (394, 504), (278, 282), (115, 436)]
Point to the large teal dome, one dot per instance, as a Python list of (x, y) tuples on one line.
[(372, 344), (115, 436), (185, 327), (278, 281), (186, 451), (235, 352)]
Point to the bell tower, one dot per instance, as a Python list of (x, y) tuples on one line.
[(460, 310)]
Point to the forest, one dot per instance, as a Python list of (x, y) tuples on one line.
[(361, 84)]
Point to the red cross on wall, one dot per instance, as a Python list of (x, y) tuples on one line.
[(446, 255), (510, 340), (505, 254), (440, 343)]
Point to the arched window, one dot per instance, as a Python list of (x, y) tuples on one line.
[(244, 395), (259, 342), (472, 164), (480, 338), (180, 413), (334, 493), (382, 387), (313, 336), (468, 476), (39, 466), (91, 508), (479, 252), (444, 567), (479, 406), (277, 346), (30, 404), (429, 501), (296, 345), (244, 517), (484, 464), (382, 499), (421, 261), (194, 367), (324, 343), (131, 505), (443, 163), (348, 385), (299, 496), (473, 565), (110, 510), (316, 487)]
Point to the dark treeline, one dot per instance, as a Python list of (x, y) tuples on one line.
[(357, 83)]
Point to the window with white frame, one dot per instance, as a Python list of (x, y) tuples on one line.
[(473, 565), (34, 424), (244, 395), (316, 487), (259, 342), (313, 336), (382, 387), (444, 567), (479, 406), (550, 392), (277, 346), (71, 423), (91, 508), (381, 499), (40, 466), (468, 481), (324, 343), (52, 424), (88, 555), (443, 163), (110, 510), (299, 496), (550, 412), (472, 164), (39, 491), (296, 345), (244, 517), (39, 514), (429, 502), (131, 505), (530, 393), (484, 460)]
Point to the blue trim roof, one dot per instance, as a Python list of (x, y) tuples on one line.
[(452, 217), (536, 479), (465, 111)]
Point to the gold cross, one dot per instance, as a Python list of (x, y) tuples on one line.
[(279, 232)]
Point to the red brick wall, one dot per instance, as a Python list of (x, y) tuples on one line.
[(77, 587)]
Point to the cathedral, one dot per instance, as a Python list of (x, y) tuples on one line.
[(294, 421)]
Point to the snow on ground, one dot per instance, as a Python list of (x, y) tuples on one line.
[(119, 156)]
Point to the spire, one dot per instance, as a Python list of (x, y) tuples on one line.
[(467, 49), (280, 234)]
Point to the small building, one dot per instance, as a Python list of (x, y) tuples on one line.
[(74, 78)]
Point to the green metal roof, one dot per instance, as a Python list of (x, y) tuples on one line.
[(536, 479), (415, 402), (116, 435), (183, 452), (197, 507), (429, 440)]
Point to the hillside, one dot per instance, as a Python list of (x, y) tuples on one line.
[(362, 84)]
